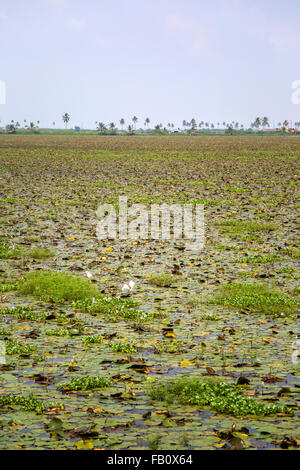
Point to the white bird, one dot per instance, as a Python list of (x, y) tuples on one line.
[(127, 287)]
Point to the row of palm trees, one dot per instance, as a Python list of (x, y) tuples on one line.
[(190, 125), (102, 127), (264, 122)]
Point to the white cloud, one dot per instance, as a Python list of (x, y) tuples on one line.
[(284, 39), (188, 33), (76, 24), (3, 14), (279, 35)]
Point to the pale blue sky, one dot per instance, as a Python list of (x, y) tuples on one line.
[(166, 59)]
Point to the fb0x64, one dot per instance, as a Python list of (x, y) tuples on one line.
[(169, 459)]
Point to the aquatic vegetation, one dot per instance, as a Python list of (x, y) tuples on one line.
[(14, 347), (58, 332), (92, 340), (259, 259), (219, 396), (255, 298), (23, 312), (39, 253), (244, 226), (74, 321), (113, 307), (8, 286), (27, 403), (7, 252), (57, 286), (163, 279), (124, 347), (86, 383)]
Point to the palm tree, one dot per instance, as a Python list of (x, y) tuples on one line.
[(147, 122), (122, 122), (193, 123), (112, 127), (101, 127), (285, 123), (265, 122), (135, 120), (53, 123), (66, 119), (257, 123)]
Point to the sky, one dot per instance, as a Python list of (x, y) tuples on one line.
[(168, 60)]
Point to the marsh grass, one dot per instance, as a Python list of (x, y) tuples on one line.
[(56, 286), (219, 396), (247, 237), (204, 202), (163, 279), (255, 298), (259, 259), (8, 286), (39, 253), (7, 252), (113, 307), (292, 253), (245, 226)]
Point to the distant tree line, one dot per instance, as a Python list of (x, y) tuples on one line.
[(190, 127)]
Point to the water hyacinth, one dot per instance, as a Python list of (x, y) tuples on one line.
[(113, 307)]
